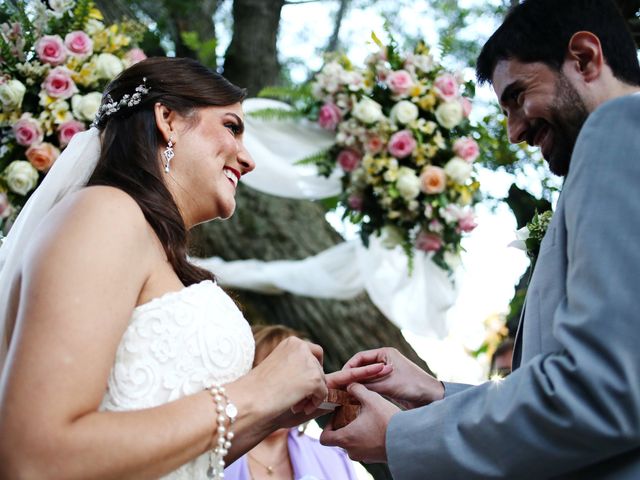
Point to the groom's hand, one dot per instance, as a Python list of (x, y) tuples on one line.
[(364, 438), (401, 380)]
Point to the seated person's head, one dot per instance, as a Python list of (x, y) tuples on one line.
[(267, 338), (501, 359)]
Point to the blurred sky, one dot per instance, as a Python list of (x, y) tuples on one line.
[(490, 268)]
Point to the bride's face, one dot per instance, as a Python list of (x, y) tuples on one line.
[(209, 160)]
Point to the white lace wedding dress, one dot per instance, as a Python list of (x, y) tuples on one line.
[(176, 345)]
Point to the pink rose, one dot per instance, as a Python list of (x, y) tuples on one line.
[(5, 208), (355, 202), (59, 83), (42, 156), (467, 221), (374, 145), (433, 180), (329, 116), (67, 130), (446, 87), (428, 242), (466, 106), (51, 50), (349, 159), (399, 82), (467, 149), (402, 144), (79, 43), (27, 131), (133, 56)]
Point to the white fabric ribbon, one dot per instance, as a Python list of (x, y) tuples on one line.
[(417, 302)]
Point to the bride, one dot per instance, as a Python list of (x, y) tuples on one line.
[(117, 346)]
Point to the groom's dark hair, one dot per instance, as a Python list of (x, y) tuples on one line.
[(540, 30)]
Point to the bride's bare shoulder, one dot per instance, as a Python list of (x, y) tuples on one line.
[(103, 219)]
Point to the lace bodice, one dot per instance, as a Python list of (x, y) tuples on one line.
[(176, 345)]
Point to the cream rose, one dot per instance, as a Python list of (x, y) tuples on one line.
[(404, 112), (458, 170), (84, 107), (449, 114), (367, 111), (108, 66), (21, 177), (408, 183), (11, 94)]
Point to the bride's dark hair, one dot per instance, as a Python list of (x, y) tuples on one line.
[(131, 142)]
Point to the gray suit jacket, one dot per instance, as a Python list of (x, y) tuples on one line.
[(572, 408)]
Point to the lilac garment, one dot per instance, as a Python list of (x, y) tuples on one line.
[(310, 461)]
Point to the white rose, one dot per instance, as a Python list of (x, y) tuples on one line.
[(61, 6), (408, 183), (85, 106), (404, 112), (108, 66), (458, 170), (367, 111), (522, 236), (450, 114), (11, 94), (391, 237), (21, 176)]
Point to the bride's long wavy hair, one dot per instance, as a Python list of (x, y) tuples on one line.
[(131, 144)]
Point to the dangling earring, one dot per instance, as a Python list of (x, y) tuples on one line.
[(168, 155)]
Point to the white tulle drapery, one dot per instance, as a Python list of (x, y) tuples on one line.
[(417, 302)]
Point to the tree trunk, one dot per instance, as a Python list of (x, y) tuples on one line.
[(251, 60)]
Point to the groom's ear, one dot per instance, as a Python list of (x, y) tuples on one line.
[(165, 121), (584, 56)]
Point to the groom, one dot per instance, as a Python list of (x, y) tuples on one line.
[(566, 74)]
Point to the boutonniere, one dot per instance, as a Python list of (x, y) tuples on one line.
[(530, 236)]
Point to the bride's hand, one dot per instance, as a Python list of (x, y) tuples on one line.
[(291, 376)]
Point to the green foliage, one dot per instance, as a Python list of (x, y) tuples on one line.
[(322, 159), (276, 114), (205, 50)]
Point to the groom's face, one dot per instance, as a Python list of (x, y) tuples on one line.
[(542, 107)]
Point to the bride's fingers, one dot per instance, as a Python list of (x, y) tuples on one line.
[(366, 357)]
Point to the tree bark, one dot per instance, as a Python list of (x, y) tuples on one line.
[(251, 60)]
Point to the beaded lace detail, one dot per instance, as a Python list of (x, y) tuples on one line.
[(176, 345)]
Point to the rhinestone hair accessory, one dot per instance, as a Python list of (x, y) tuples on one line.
[(110, 106)]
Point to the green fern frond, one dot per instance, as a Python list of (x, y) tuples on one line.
[(287, 94), (321, 157), (276, 114)]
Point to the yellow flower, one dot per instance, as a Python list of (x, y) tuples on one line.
[(428, 101), (96, 14), (45, 100), (60, 112), (417, 90), (430, 150), (438, 140), (100, 40), (465, 197)]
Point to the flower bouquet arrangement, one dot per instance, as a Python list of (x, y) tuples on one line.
[(405, 147), (55, 61)]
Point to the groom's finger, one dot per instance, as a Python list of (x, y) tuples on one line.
[(342, 378), (365, 357)]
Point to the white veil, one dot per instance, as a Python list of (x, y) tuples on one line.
[(69, 173)]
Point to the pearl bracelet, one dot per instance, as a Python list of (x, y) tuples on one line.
[(224, 410)]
